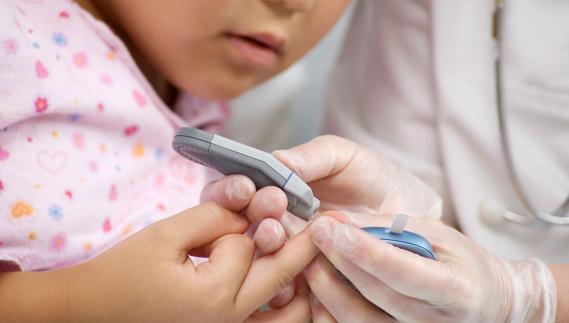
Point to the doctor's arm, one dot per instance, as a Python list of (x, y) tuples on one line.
[(465, 283)]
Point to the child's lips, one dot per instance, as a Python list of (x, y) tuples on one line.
[(260, 50), (269, 40)]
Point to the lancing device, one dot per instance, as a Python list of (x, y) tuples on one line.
[(230, 157)]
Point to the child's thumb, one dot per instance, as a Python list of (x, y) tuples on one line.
[(198, 226)]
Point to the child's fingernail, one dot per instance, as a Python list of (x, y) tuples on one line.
[(237, 191), (275, 230), (344, 239), (321, 231), (268, 200)]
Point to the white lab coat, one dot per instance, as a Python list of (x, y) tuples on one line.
[(415, 81)]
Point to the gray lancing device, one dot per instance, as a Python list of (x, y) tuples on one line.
[(230, 157)]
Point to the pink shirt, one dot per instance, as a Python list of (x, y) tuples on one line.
[(85, 156)]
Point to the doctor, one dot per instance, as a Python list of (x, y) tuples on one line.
[(417, 83)]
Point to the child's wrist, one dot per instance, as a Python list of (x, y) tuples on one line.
[(84, 299), (36, 296)]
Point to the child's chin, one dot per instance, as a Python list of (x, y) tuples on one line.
[(219, 92)]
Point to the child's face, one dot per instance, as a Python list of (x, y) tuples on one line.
[(220, 48)]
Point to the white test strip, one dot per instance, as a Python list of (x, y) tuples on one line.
[(399, 223)]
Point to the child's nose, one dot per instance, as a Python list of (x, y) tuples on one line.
[(294, 5)]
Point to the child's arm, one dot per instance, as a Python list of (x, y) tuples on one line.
[(36, 296)]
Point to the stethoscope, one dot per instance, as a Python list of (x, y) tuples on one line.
[(561, 214)]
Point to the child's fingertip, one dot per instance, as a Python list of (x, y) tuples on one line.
[(321, 230)]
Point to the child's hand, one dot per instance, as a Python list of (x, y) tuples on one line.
[(238, 193), (149, 277)]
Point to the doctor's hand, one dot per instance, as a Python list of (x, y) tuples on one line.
[(347, 176), (465, 284)]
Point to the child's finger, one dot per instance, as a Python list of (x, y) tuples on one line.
[(229, 261), (297, 310), (196, 227), (270, 274), (268, 202), (269, 237), (233, 192)]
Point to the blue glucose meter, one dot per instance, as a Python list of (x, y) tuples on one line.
[(405, 240)]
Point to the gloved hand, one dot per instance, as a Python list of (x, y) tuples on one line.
[(347, 176), (465, 284)]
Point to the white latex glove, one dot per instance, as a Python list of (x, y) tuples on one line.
[(465, 284), (347, 176)]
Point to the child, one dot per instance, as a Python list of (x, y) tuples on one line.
[(85, 158)]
